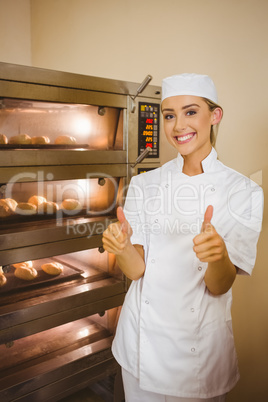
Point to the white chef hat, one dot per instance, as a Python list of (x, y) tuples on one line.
[(189, 84)]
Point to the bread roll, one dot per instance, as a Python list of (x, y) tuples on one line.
[(11, 203), (4, 209), (25, 208), (47, 207), (20, 139), (25, 273), (25, 264), (65, 140), (7, 207), (3, 279), (52, 268), (40, 140), (36, 200), (3, 139), (71, 204)]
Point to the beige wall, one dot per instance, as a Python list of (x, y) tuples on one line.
[(15, 31), (128, 39)]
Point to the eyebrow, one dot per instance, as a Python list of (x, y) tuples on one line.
[(192, 104), (184, 107)]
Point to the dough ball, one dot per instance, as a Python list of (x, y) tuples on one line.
[(25, 264), (25, 273), (40, 140), (48, 207), (7, 207), (52, 268), (36, 200), (3, 139), (65, 140), (25, 208), (20, 139), (71, 204)]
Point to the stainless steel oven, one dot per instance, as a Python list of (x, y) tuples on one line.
[(68, 147)]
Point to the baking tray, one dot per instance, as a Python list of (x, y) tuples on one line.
[(17, 219), (14, 284)]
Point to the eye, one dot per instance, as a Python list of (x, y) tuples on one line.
[(190, 113), (168, 116)]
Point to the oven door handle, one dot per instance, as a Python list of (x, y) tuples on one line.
[(141, 156)]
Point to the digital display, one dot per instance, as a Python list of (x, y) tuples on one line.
[(149, 128), (145, 169)]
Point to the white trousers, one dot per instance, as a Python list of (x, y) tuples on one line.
[(133, 393)]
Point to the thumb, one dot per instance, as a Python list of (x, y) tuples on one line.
[(207, 217), (122, 219), (208, 214)]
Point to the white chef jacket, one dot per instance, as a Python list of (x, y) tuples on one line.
[(173, 334)]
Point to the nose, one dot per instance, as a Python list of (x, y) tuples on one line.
[(180, 124)]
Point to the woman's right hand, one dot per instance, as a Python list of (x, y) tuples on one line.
[(116, 237)]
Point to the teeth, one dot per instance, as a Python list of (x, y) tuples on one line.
[(184, 138)]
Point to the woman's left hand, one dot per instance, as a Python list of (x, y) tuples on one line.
[(209, 245)]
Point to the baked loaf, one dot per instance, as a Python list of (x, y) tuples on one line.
[(25, 270), (47, 207), (20, 139), (52, 268), (71, 204), (65, 140), (7, 207), (25, 264), (26, 273), (3, 279), (36, 200), (11, 203), (3, 139), (25, 208), (40, 140)]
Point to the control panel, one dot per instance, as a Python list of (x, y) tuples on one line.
[(145, 169), (148, 135)]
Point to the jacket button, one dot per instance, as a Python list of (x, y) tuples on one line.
[(147, 301), (199, 268), (193, 350)]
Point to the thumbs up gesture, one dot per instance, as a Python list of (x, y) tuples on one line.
[(209, 245), (117, 236)]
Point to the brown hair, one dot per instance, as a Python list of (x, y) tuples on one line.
[(214, 129)]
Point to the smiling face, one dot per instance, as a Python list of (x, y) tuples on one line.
[(187, 124)]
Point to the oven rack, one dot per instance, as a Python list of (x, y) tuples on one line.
[(45, 157), (56, 361), (31, 241), (30, 165), (29, 312)]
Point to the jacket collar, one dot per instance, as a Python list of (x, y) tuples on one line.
[(209, 164)]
